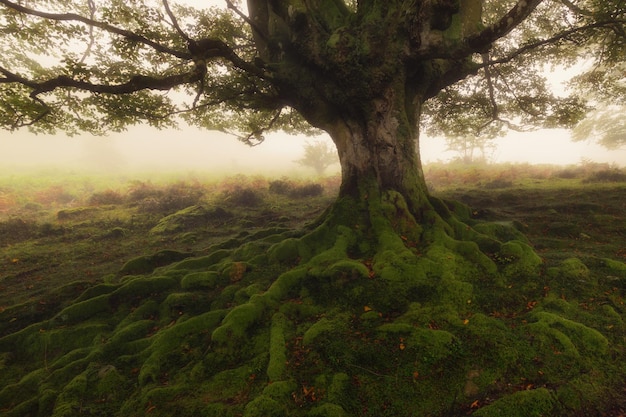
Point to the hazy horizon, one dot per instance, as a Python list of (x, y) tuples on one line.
[(145, 149)]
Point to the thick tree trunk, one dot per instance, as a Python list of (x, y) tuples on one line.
[(383, 148)]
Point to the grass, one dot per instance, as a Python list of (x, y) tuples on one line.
[(73, 246)]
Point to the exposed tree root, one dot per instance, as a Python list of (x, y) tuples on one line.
[(365, 314)]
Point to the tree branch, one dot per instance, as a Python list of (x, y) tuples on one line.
[(136, 83), (490, 87), (256, 138), (577, 9), (166, 5), (482, 40), (104, 26), (554, 39)]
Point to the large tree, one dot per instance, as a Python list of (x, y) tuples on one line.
[(372, 310)]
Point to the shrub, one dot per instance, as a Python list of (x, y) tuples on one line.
[(170, 198), (244, 196), (568, 173), (281, 187), (54, 194), (307, 190), (140, 191), (106, 197), (606, 175), (16, 229)]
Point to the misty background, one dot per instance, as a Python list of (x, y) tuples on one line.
[(148, 149)]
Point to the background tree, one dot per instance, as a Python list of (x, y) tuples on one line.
[(314, 322), (318, 155), (467, 147)]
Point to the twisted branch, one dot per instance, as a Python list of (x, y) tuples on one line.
[(104, 26)]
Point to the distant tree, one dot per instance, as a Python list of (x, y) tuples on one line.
[(366, 72), (466, 147), (318, 155)]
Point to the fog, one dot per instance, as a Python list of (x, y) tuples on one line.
[(191, 149)]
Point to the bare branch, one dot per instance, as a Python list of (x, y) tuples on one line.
[(577, 9), (101, 25), (92, 39), (490, 88), (136, 83), (257, 137), (175, 21), (246, 19)]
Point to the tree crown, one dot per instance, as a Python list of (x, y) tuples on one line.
[(100, 66)]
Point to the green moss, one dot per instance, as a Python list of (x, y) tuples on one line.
[(287, 252), (280, 390), (83, 310), (137, 266), (327, 410), (203, 262), (503, 231), (532, 403), (347, 268), (278, 356), (111, 384), (69, 400), (249, 250), (239, 320), (148, 263), (139, 287), (325, 328), (455, 292), (96, 291), (573, 275), (570, 337), (171, 339), (206, 280), (573, 268), (265, 407), (286, 283), (339, 388), (133, 331), (518, 260), (616, 267)]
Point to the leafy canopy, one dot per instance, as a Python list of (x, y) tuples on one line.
[(98, 66)]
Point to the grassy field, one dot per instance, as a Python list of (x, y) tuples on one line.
[(62, 234)]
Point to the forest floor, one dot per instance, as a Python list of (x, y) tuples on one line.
[(62, 234)]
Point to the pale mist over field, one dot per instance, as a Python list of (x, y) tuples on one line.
[(145, 149)]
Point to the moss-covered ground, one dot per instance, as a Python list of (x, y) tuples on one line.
[(227, 304)]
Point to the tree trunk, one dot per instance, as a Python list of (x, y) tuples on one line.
[(381, 149)]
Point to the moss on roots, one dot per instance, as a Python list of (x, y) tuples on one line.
[(363, 311)]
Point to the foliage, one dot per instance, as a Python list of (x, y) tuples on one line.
[(230, 77), (605, 125)]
